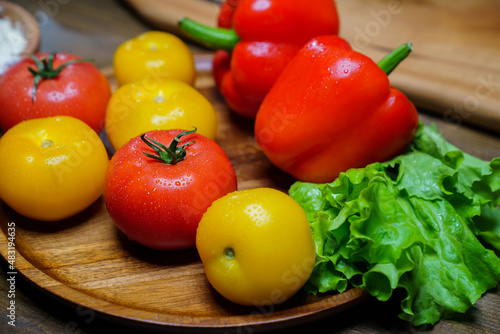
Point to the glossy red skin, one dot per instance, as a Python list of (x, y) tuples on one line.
[(226, 13), (80, 90), (270, 37), (333, 109), (160, 205)]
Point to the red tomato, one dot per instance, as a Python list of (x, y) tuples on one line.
[(79, 90), (160, 204)]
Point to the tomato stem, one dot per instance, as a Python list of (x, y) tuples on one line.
[(45, 70), (171, 154)]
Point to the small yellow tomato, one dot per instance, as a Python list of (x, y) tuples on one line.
[(256, 246), (144, 105), (154, 54), (51, 168)]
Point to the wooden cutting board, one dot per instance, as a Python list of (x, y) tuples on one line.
[(454, 70)]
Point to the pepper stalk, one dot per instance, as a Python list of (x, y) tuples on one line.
[(393, 59), (211, 37)]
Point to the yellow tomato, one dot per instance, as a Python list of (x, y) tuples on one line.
[(145, 105), (154, 54), (256, 246), (51, 168)]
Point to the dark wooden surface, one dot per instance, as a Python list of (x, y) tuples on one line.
[(93, 29)]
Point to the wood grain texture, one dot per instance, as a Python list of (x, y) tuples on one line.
[(165, 14), (86, 260), (454, 70)]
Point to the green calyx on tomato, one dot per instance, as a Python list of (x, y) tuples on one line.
[(171, 154), (45, 69)]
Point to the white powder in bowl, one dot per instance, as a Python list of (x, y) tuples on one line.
[(12, 42)]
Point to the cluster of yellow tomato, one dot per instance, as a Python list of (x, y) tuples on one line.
[(255, 244), (155, 73)]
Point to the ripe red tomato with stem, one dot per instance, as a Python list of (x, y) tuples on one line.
[(53, 84), (159, 184)]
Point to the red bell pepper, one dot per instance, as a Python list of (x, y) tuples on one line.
[(265, 35), (333, 109), (225, 19)]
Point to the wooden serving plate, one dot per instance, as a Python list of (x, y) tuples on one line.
[(88, 262)]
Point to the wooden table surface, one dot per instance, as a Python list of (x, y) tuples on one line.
[(93, 29)]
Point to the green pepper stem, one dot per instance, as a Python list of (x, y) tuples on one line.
[(171, 154), (211, 37), (389, 62)]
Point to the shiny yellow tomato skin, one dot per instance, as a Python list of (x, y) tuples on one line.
[(51, 168), (142, 106), (269, 236), (154, 54)]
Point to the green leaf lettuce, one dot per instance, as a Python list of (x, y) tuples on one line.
[(426, 221)]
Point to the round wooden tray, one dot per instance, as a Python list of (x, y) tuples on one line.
[(87, 261)]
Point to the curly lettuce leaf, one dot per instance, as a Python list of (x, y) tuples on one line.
[(426, 221)]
